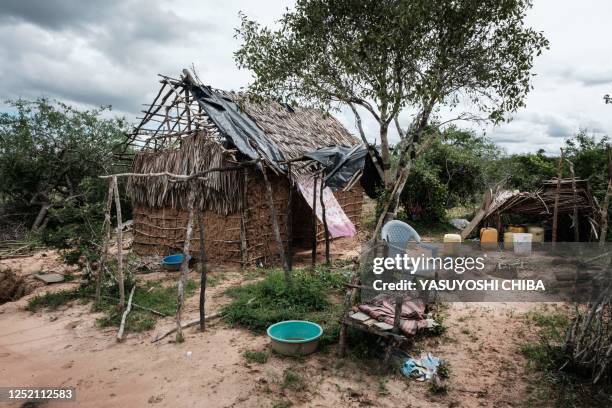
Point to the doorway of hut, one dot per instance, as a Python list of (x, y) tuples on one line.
[(301, 223)]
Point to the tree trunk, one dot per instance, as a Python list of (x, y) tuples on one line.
[(42, 214), (385, 155), (184, 266), (119, 245), (203, 271), (107, 237)]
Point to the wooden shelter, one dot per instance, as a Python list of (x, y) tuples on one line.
[(578, 212), (190, 128)]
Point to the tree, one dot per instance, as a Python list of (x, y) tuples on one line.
[(393, 56), (51, 155)]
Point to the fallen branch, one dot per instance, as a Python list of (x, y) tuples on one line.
[(186, 325), (125, 314), (137, 306)]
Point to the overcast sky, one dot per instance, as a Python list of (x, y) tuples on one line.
[(109, 52)]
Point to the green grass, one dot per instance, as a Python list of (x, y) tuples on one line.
[(293, 380), (151, 295), (254, 356), (52, 301), (557, 384), (259, 304)]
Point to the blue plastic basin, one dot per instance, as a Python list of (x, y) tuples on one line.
[(173, 262), (295, 337)]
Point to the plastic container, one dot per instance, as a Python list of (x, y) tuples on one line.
[(537, 232), (488, 238), (295, 337), (173, 262), (451, 243), (508, 240), (519, 229), (522, 243)]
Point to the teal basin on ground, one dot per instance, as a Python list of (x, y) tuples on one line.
[(295, 337)]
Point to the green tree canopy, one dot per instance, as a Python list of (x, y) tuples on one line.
[(392, 56)]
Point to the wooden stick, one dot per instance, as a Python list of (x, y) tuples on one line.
[(397, 317), (244, 254), (325, 226), (556, 207), (315, 224), (183, 177), (125, 314), (119, 245), (107, 237), (575, 196), (290, 220), (203, 271), (277, 235), (185, 325), (184, 266), (606, 203)]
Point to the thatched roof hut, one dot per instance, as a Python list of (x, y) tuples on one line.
[(190, 128), (505, 207)]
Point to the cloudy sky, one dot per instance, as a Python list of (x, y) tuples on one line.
[(99, 53)]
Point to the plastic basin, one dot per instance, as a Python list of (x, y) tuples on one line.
[(295, 337), (173, 262)]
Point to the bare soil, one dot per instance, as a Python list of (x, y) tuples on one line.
[(65, 348)]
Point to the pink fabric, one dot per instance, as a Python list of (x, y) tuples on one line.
[(382, 308), (338, 223)]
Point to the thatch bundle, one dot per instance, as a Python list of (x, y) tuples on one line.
[(219, 191)]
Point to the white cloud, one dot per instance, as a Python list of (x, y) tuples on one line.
[(110, 52)]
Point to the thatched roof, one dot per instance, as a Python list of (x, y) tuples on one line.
[(295, 130), (190, 128)]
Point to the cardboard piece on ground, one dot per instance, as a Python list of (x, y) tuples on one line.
[(49, 278)]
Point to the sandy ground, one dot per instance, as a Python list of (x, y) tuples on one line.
[(64, 348)]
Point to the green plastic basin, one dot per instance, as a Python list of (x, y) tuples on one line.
[(295, 337)]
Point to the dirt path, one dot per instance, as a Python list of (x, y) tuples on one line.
[(65, 348)]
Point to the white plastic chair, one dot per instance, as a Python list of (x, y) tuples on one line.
[(397, 234)]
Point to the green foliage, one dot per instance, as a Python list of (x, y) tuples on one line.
[(557, 384), (254, 356), (590, 158), (260, 304), (53, 300), (452, 172), (292, 380), (51, 155)]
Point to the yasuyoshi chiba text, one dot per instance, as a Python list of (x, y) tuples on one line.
[(470, 285)]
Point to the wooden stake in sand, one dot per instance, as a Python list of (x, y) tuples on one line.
[(325, 226), (125, 314), (273, 216), (313, 260), (119, 244), (203, 271), (184, 266)]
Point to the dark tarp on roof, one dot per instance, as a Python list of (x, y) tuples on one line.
[(238, 127), (342, 162)]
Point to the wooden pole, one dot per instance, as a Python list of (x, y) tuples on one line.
[(315, 223), (107, 237), (606, 203), (277, 235), (244, 255), (125, 315), (558, 192), (290, 220), (184, 266), (575, 196), (203, 271), (325, 226), (119, 245)]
